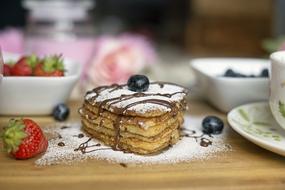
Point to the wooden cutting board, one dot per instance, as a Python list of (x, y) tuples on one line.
[(246, 167)]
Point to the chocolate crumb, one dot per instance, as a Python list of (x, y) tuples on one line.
[(59, 136), (123, 165), (64, 127), (205, 142), (98, 144), (161, 85), (80, 135), (61, 144)]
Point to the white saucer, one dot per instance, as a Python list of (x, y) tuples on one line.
[(255, 122)]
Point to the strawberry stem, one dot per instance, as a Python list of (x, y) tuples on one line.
[(52, 63), (32, 60), (13, 135)]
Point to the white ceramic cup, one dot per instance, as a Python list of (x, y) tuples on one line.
[(277, 87)]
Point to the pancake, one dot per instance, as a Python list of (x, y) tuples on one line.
[(138, 122), (142, 126)]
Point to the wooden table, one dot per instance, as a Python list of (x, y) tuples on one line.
[(246, 167)]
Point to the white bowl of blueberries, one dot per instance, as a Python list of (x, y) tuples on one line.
[(229, 82)]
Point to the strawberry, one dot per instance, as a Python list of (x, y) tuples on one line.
[(24, 66), (6, 70), (50, 66), (24, 139)]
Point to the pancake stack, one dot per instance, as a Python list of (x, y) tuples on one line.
[(138, 122)]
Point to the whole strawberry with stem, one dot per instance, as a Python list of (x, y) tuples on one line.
[(24, 66), (50, 66), (24, 139)]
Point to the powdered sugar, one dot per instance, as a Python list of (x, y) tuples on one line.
[(186, 149), (156, 89)]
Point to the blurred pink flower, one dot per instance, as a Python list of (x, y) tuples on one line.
[(116, 58), (12, 40)]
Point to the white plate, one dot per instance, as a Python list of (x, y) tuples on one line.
[(255, 122)]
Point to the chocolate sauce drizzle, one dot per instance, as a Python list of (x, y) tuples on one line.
[(64, 127), (80, 135), (106, 104), (83, 147), (203, 141), (123, 165), (61, 144)]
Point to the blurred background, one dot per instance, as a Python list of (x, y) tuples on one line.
[(171, 32)]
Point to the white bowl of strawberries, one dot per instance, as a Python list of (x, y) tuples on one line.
[(34, 86)]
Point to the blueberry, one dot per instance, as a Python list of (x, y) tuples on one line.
[(60, 112), (230, 73), (264, 73), (138, 83), (212, 125)]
